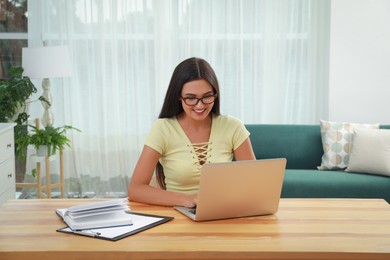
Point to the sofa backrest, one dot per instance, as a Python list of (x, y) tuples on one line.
[(300, 144)]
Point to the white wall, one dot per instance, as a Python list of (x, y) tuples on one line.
[(359, 81)]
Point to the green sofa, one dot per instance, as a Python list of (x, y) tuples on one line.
[(302, 146)]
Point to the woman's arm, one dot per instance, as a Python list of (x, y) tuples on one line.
[(245, 151), (140, 190)]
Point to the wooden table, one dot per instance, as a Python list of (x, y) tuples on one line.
[(302, 229)]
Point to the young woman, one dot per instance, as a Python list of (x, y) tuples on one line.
[(189, 133)]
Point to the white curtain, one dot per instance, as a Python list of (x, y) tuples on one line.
[(271, 57)]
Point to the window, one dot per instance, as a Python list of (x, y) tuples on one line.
[(13, 33)]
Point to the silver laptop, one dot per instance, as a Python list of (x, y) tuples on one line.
[(238, 189)]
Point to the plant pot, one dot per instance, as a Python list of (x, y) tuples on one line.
[(42, 151), (20, 162), (20, 169)]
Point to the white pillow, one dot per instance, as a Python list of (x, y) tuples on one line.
[(337, 142), (370, 152)]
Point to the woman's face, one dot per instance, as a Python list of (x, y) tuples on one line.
[(191, 92)]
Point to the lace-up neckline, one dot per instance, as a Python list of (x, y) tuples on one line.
[(201, 153)]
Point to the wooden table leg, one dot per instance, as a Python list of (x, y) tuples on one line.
[(39, 191), (48, 182), (62, 181)]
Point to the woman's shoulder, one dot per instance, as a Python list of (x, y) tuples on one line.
[(165, 122), (162, 127), (227, 120)]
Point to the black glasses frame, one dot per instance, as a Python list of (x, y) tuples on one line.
[(185, 99)]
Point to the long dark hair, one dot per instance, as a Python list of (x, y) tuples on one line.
[(188, 70)]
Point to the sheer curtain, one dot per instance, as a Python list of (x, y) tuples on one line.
[(271, 58)]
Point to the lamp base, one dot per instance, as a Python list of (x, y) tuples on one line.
[(47, 117)]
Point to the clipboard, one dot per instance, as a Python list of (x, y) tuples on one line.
[(141, 222)]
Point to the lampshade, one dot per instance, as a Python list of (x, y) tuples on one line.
[(46, 62)]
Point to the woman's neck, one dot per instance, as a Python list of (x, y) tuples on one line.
[(187, 122), (196, 131)]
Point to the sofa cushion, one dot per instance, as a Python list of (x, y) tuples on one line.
[(370, 151), (300, 144), (337, 143), (334, 184)]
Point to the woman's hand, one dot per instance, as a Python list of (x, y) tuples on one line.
[(190, 201)]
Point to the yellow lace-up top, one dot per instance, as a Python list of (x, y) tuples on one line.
[(183, 160)]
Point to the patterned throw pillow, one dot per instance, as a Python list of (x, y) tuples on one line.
[(337, 143)]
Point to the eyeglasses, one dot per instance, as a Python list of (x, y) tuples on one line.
[(193, 101)]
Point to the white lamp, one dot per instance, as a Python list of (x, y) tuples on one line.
[(44, 63)]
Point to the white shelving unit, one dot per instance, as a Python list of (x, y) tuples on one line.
[(7, 162)]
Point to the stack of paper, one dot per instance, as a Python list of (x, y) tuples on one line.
[(112, 213)]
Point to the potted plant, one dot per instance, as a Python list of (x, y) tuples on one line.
[(52, 138), (15, 92)]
